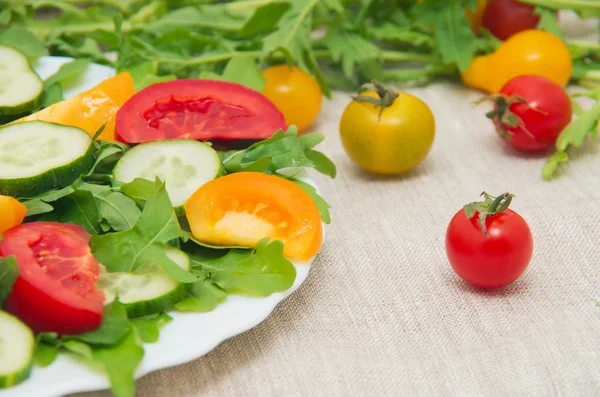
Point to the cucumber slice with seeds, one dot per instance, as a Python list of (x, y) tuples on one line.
[(17, 345), (36, 156), (20, 86), (184, 166), (148, 291)]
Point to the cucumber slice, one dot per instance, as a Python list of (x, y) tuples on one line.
[(17, 345), (36, 156), (20, 86), (184, 166), (149, 291)]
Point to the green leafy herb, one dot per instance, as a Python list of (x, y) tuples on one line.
[(79, 348), (148, 328), (45, 354), (260, 272), (79, 208), (67, 71), (204, 297), (115, 325), (322, 205), (24, 41), (281, 151), (120, 362), (9, 272), (128, 250), (241, 70), (583, 126)]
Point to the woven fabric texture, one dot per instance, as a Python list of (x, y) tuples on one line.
[(383, 314)]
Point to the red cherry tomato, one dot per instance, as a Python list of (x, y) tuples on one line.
[(491, 261), (55, 290), (542, 109), (503, 18), (197, 109)]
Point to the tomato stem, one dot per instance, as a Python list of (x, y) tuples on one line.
[(387, 96), (489, 207), (503, 117)]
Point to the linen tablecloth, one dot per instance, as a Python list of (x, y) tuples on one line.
[(383, 314)]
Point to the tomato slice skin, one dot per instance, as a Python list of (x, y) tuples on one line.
[(241, 209), (197, 109), (55, 290)]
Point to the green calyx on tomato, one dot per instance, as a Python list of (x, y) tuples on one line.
[(489, 207), (387, 96), (503, 117)]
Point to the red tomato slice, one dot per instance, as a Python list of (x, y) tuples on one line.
[(55, 290), (198, 110)]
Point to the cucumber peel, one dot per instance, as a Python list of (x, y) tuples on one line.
[(17, 345)]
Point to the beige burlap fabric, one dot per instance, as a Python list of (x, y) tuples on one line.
[(383, 314)]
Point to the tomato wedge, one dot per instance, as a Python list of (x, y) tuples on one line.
[(91, 109), (55, 290), (243, 208), (199, 110)]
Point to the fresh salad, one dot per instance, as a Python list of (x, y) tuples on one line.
[(120, 205)]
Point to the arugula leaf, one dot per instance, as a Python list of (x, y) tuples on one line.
[(148, 328), (79, 208), (241, 70), (140, 190), (265, 19), (204, 297), (454, 39), (9, 272), (24, 41), (51, 95), (280, 151), (67, 71), (79, 348), (120, 362), (351, 49), (259, 272), (119, 211), (574, 134), (45, 354), (127, 250), (292, 39), (549, 21), (322, 205), (115, 326)]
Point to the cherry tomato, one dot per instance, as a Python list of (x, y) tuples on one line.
[(266, 206), (492, 256), (392, 141), (55, 290), (296, 93), (531, 112), (530, 52), (197, 109), (12, 213), (504, 18)]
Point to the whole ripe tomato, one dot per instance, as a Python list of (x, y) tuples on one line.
[(489, 245), (530, 113), (504, 18), (386, 132), (530, 52), (197, 109), (55, 290), (296, 94)]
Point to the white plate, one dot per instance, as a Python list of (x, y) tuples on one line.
[(188, 337)]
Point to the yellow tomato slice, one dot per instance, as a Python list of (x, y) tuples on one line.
[(243, 208), (12, 213), (90, 109)]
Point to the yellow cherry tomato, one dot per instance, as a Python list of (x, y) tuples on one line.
[(391, 142), (296, 94), (529, 52), (12, 213)]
